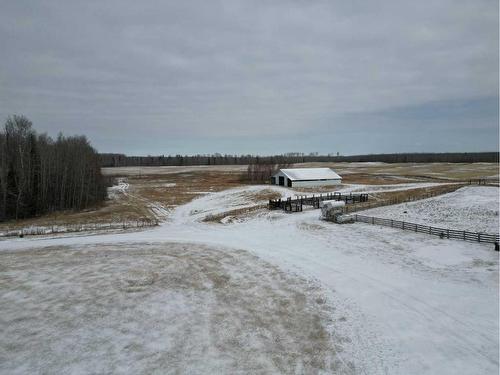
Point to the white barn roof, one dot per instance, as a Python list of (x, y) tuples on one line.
[(308, 174)]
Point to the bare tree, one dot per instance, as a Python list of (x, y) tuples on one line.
[(38, 175)]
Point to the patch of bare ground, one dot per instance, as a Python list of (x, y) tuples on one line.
[(262, 195), (179, 188), (236, 214), (161, 308)]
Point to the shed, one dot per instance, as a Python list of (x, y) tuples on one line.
[(305, 177)]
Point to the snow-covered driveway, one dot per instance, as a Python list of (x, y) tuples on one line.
[(409, 303)]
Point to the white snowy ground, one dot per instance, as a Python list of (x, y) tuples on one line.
[(163, 308), (473, 208), (405, 303)]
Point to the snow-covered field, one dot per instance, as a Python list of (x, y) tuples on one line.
[(164, 308), (472, 208), (395, 302)]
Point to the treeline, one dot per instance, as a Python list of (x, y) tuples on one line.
[(40, 175), (445, 157), (121, 160)]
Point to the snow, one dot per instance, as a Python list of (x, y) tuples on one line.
[(370, 189), (181, 308), (472, 208), (116, 190), (159, 211), (439, 256), (298, 174), (405, 303), (217, 203)]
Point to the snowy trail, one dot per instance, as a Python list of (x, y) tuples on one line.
[(157, 209), (413, 304)]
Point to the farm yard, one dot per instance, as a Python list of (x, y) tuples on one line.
[(153, 192), (235, 187), (223, 285)]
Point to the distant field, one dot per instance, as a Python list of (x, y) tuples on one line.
[(154, 191), (405, 172)]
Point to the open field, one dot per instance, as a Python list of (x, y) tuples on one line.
[(153, 192), (385, 173), (223, 285), (270, 292)]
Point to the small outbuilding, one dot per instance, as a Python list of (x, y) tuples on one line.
[(305, 177)]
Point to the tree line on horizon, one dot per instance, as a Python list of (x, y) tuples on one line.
[(122, 160), (39, 174)]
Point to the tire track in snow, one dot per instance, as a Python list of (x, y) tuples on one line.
[(157, 209)]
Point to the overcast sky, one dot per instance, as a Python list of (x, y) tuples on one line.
[(168, 77)]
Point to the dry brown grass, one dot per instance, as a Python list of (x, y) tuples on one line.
[(169, 189), (417, 193), (151, 184), (368, 179), (238, 213), (263, 195), (371, 173), (122, 209), (188, 185)]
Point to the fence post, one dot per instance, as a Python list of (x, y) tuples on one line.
[(403, 225), (464, 235), (448, 233), (479, 237), (373, 220)]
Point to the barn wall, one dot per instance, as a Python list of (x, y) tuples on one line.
[(306, 183), (315, 183), (277, 175)]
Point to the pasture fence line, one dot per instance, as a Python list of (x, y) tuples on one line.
[(435, 231), (295, 204), (80, 227), (395, 200)]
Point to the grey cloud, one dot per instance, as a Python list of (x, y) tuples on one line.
[(198, 69)]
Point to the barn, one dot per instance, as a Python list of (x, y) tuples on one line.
[(305, 177)]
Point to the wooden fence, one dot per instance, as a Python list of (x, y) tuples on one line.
[(74, 228), (295, 204), (441, 232)]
